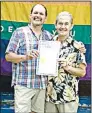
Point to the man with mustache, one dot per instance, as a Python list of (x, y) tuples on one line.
[(22, 51)]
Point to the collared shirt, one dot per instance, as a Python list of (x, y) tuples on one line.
[(24, 73), (64, 87)]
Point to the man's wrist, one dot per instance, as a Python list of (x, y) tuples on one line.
[(24, 57), (67, 68)]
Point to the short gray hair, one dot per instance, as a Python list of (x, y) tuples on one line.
[(64, 13)]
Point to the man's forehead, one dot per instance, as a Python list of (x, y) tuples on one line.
[(64, 17), (39, 7)]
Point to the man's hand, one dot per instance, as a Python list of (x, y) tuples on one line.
[(32, 54), (63, 62), (82, 47)]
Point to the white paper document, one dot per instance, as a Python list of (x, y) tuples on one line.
[(47, 63)]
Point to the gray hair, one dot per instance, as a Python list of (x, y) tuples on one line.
[(64, 13)]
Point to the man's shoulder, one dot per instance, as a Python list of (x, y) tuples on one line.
[(22, 28), (48, 32)]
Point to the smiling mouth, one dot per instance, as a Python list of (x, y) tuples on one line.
[(37, 19), (62, 30)]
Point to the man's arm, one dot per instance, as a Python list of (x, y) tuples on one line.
[(13, 57), (76, 71)]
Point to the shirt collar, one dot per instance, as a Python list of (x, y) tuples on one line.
[(69, 39)]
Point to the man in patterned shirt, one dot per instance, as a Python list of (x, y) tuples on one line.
[(62, 90), (29, 88)]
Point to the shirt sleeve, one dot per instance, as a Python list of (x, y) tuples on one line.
[(13, 43)]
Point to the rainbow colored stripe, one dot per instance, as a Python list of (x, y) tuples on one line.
[(16, 14)]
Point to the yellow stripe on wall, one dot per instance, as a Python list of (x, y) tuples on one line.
[(20, 11)]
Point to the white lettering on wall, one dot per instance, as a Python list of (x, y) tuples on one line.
[(2, 28), (10, 28)]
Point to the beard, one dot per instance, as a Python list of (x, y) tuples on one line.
[(35, 23)]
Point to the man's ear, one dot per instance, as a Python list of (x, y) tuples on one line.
[(30, 16), (45, 19)]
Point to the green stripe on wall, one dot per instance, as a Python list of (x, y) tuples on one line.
[(82, 32)]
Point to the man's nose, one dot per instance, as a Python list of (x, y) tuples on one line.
[(63, 26), (38, 14)]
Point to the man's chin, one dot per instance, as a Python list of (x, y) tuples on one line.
[(62, 34), (37, 24)]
